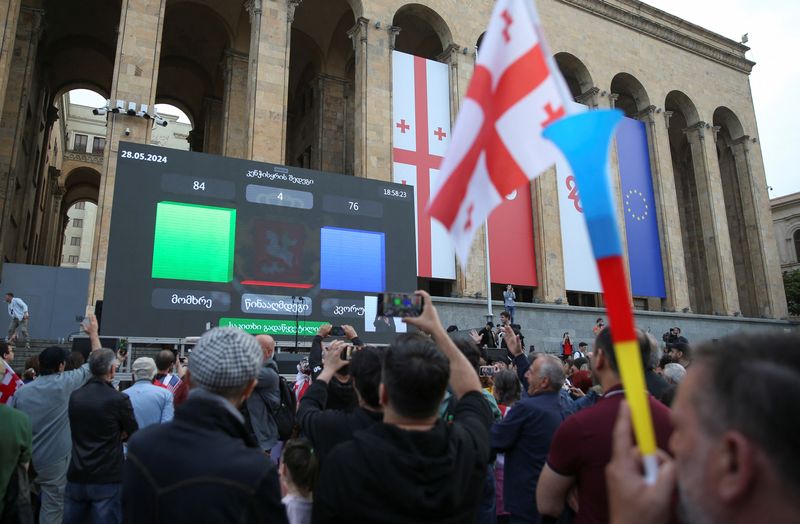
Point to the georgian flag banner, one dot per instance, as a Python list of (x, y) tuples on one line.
[(497, 147), (420, 135)]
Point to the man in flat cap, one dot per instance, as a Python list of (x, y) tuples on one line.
[(204, 466)]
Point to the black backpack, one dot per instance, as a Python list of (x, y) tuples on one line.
[(284, 416)]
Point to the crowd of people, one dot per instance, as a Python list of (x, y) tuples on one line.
[(433, 428)]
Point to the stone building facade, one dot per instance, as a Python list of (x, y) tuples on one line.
[(786, 216), (308, 83)]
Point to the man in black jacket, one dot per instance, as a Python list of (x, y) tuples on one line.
[(100, 419), (413, 467), (204, 466), (327, 428)]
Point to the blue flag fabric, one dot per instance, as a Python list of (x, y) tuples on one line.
[(639, 205)]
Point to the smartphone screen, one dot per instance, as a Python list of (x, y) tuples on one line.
[(399, 305), (486, 371)]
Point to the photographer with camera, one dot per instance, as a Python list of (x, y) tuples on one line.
[(673, 336), (341, 394), (326, 428)]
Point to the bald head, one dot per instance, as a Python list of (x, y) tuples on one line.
[(267, 344)]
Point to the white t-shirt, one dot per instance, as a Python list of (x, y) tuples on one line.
[(298, 509)]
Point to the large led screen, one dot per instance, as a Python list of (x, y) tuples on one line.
[(200, 240)]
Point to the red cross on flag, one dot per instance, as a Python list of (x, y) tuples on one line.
[(9, 384), (421, 133), (497, 147)]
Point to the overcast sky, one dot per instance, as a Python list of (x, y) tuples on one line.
[(774, 42)]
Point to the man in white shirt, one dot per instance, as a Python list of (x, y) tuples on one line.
[(152, 404), (18, 311)]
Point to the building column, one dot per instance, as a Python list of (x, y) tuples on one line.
[(9, 14), (330, 122), (12, 126), (547, 229), (53, 210), (669, 224), (212, 138), (134, 79), (235, 116), (267, 90), (473, 280), (719, 259), (358, 35), (462, 66), (373, 100), (56, 234), (759, 231)]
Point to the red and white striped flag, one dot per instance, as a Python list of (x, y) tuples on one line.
[(497, 147), (9, 384), (420, 134)]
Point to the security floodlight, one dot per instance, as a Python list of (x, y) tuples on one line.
[(143, 112), (131, 108), (119, 107)]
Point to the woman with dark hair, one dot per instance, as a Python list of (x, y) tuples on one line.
[(299, 470)]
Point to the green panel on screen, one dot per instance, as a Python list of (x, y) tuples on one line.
[(194, 242)]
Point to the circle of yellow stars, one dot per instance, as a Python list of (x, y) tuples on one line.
[(633, 193)]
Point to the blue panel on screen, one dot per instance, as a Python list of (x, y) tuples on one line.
[(352, 260)]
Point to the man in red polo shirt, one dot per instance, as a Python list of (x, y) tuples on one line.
[(581, 447)]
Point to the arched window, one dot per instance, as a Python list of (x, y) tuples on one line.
[(797, 245)]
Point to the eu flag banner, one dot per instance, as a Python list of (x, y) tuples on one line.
[(638, 200)]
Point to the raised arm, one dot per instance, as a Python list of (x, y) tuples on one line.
[(92, 329), (463, 378), (315, 355)]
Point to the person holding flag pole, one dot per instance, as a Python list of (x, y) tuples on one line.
[(517, 98)]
